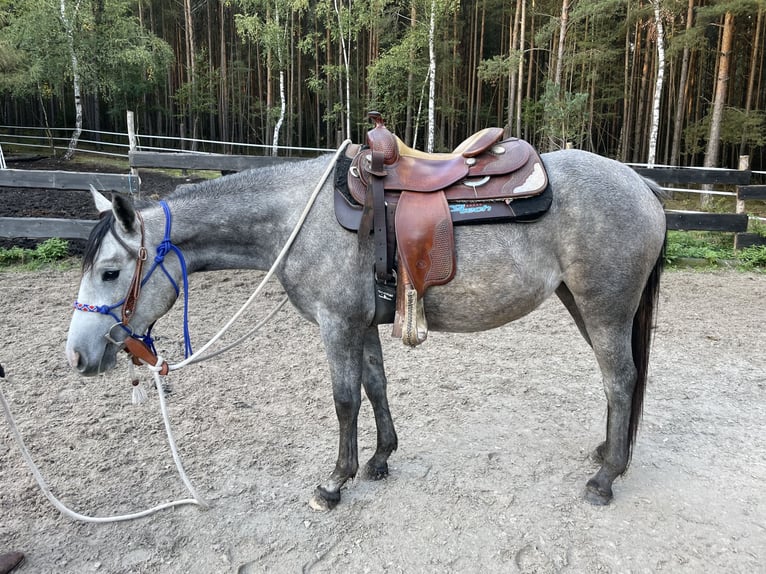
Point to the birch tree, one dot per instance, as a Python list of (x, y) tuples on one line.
[(659, 81), (265, 24), (345, 42), (67, 21), (431, 130)]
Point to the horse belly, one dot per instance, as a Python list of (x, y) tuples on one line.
[(490, 291)]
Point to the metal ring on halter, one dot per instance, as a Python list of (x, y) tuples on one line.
[(108, 334)]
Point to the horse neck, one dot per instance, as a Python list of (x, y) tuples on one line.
[(233, 231)]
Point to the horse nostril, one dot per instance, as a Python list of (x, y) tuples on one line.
[(74, 358)]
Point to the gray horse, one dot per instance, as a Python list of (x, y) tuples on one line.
[(599, 249)]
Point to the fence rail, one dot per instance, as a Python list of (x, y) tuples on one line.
[(177, 159)]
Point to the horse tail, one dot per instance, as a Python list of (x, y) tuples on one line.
[(641, 340)]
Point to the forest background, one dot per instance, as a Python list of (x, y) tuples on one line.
[(672, 82)]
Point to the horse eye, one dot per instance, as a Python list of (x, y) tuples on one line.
[(110, 275)]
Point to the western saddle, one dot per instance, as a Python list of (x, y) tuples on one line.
[(410, 200)]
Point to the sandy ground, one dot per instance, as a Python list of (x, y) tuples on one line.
[(494, 436)]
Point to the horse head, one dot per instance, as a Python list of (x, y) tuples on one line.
[(120, 296)]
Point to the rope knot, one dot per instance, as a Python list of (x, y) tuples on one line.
[(162, 249)]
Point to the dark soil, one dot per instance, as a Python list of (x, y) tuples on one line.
[(26, 202)]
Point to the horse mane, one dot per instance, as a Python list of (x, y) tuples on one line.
[(95, 239)]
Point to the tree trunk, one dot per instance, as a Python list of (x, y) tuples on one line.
[(522, 23), (223, 108), (408, 129), (658, 83), (191, 74), (722, 84), (754, 59), (281, 79), (512, 76), (344, 52), (562, 41), (431, 79), (675, 149), (72, 148)]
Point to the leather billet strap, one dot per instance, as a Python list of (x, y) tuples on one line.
[(377, 172)]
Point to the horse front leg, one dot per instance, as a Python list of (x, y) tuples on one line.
[(344, 348), (375, 385)]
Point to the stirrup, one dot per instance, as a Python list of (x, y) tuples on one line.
[(414, 324)]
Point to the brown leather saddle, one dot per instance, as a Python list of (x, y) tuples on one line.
[(410, 200)]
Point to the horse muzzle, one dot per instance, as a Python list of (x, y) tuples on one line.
[(95, 362)]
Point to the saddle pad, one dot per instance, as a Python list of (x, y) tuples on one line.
[(349, 213)]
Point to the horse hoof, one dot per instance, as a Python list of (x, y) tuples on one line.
[(376, 472), (596, 495), (324, 500)]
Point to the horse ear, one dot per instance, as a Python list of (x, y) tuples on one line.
[(124, 212), (102, 203)]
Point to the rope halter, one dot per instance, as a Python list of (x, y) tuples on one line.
[(141, 347)]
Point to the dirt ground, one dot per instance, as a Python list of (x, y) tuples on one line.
[(494, 435)]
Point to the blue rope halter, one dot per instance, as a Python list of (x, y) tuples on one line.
[(165, 247)]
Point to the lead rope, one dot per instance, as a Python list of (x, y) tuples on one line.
[(196, 357), (196, 498)]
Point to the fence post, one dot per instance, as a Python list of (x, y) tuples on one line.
[(744, 164), (132, 146)]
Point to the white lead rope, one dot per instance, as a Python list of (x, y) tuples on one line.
[(196, 357), (196, 499)]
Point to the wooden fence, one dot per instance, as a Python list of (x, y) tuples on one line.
[(11, 227)]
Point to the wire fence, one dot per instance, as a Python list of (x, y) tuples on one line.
[(55, 141)]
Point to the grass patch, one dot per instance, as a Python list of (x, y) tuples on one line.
[(49, 252), (715, 249)]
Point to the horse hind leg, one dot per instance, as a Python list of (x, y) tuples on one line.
[(613, 352), (625, 369)]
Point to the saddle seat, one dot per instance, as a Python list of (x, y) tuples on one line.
[(473, 162), (409, 199)]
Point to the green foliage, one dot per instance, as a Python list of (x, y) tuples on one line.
[(736, 127), (498, 68), (49, 251), (755, 226), (752, 258), (714, 248), (564, 114), (697, 245), (199, 95), (389, 75), (117, 57)]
